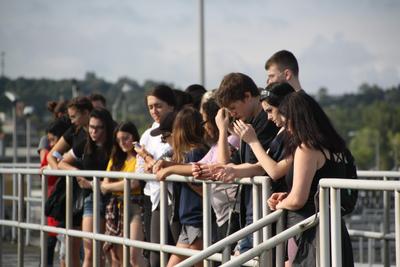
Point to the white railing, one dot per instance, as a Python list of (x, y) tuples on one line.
[(263, 241), (330, 197), (260, 191)]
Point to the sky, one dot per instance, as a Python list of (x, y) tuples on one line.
[(339, 44)]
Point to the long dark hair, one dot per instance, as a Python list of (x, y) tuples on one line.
[(108, 124), (117, 155), (276, 92), (306, 123), (187, 133)]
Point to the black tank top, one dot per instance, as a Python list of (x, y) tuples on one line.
[(334, 167)]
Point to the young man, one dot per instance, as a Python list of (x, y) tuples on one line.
[(240, 97), (283, 67)]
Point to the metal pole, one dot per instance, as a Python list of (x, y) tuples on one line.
[(126, 233), (96, 222), (256, 213), (397, 225), (68, 220), (267, 231), (206, 219), (29, 178), (324, 241), (202, 49), (336, 233), (20, 219), (1, 217), (14, 143), (280, 249), (163, 222), (43, 221), (386, 225)]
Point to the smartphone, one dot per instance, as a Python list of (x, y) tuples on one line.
[(137, 145)]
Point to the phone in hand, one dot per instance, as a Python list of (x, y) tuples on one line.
[(137, 145)]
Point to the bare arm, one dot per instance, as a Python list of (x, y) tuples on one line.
[(306, 163), (275, 170), (61, 147), (222, 121)]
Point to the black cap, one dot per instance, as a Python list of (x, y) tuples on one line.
[(166, 124)]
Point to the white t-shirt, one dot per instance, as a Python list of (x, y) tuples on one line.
[(157, 149)]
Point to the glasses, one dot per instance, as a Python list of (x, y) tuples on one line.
[(164, 136)]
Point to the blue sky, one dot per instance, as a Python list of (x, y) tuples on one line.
[(339, 44)]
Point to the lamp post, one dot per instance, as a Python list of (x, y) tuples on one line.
[(14, 99), (28, 110), (201, 39)]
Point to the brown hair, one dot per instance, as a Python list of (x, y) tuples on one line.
[(187, 133), (233, 88), (283, 60)]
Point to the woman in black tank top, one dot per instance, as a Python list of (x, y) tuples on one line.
[(317, 151)]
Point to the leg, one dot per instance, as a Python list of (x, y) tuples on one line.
[(137, 258), (87, 226), (155, 237)]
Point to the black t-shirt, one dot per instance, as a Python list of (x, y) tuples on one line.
[(75, 137), (265, 131), (277, 153)]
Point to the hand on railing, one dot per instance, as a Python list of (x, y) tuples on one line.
[(203, 171), (275, 199), (84, 183)]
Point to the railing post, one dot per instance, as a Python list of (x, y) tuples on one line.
[(126, 233), (96, 222), (28, 207), (336, 233), (280, 249), (324, 241), (14, 205), (386, 207), (256, 213), (206, 219), (397, 225), (266, 256), (68, 219), (163, 222), (1, 217), (43, 221), (20, 219)]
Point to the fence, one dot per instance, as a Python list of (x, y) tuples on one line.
[(263, 241)]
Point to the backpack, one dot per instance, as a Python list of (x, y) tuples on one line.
[(349, 196)]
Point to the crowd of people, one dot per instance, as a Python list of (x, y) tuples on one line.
[(237, 130)]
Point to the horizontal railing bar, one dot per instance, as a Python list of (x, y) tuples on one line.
[(113, 239), (227, 241), (30, 199), (371, 234), (371, 174), (274, 241), (360, 184), (128, 175)]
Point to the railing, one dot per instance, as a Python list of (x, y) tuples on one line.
[(330, 189), (263, 241), (260, 191)]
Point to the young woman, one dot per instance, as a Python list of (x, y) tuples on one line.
[(78, 110), (318, 151), (188, 146), (54, 132), (160, 101), (123, 158), (93, 155)]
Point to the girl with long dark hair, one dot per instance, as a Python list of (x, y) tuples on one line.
[(123, 158)]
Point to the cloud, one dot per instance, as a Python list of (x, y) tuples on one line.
[(341, 65)]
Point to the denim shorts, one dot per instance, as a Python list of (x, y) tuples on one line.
[(189, 234), (88, 206)]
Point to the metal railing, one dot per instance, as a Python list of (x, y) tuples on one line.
[(260, 191), (330, 189), (263, 241)]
